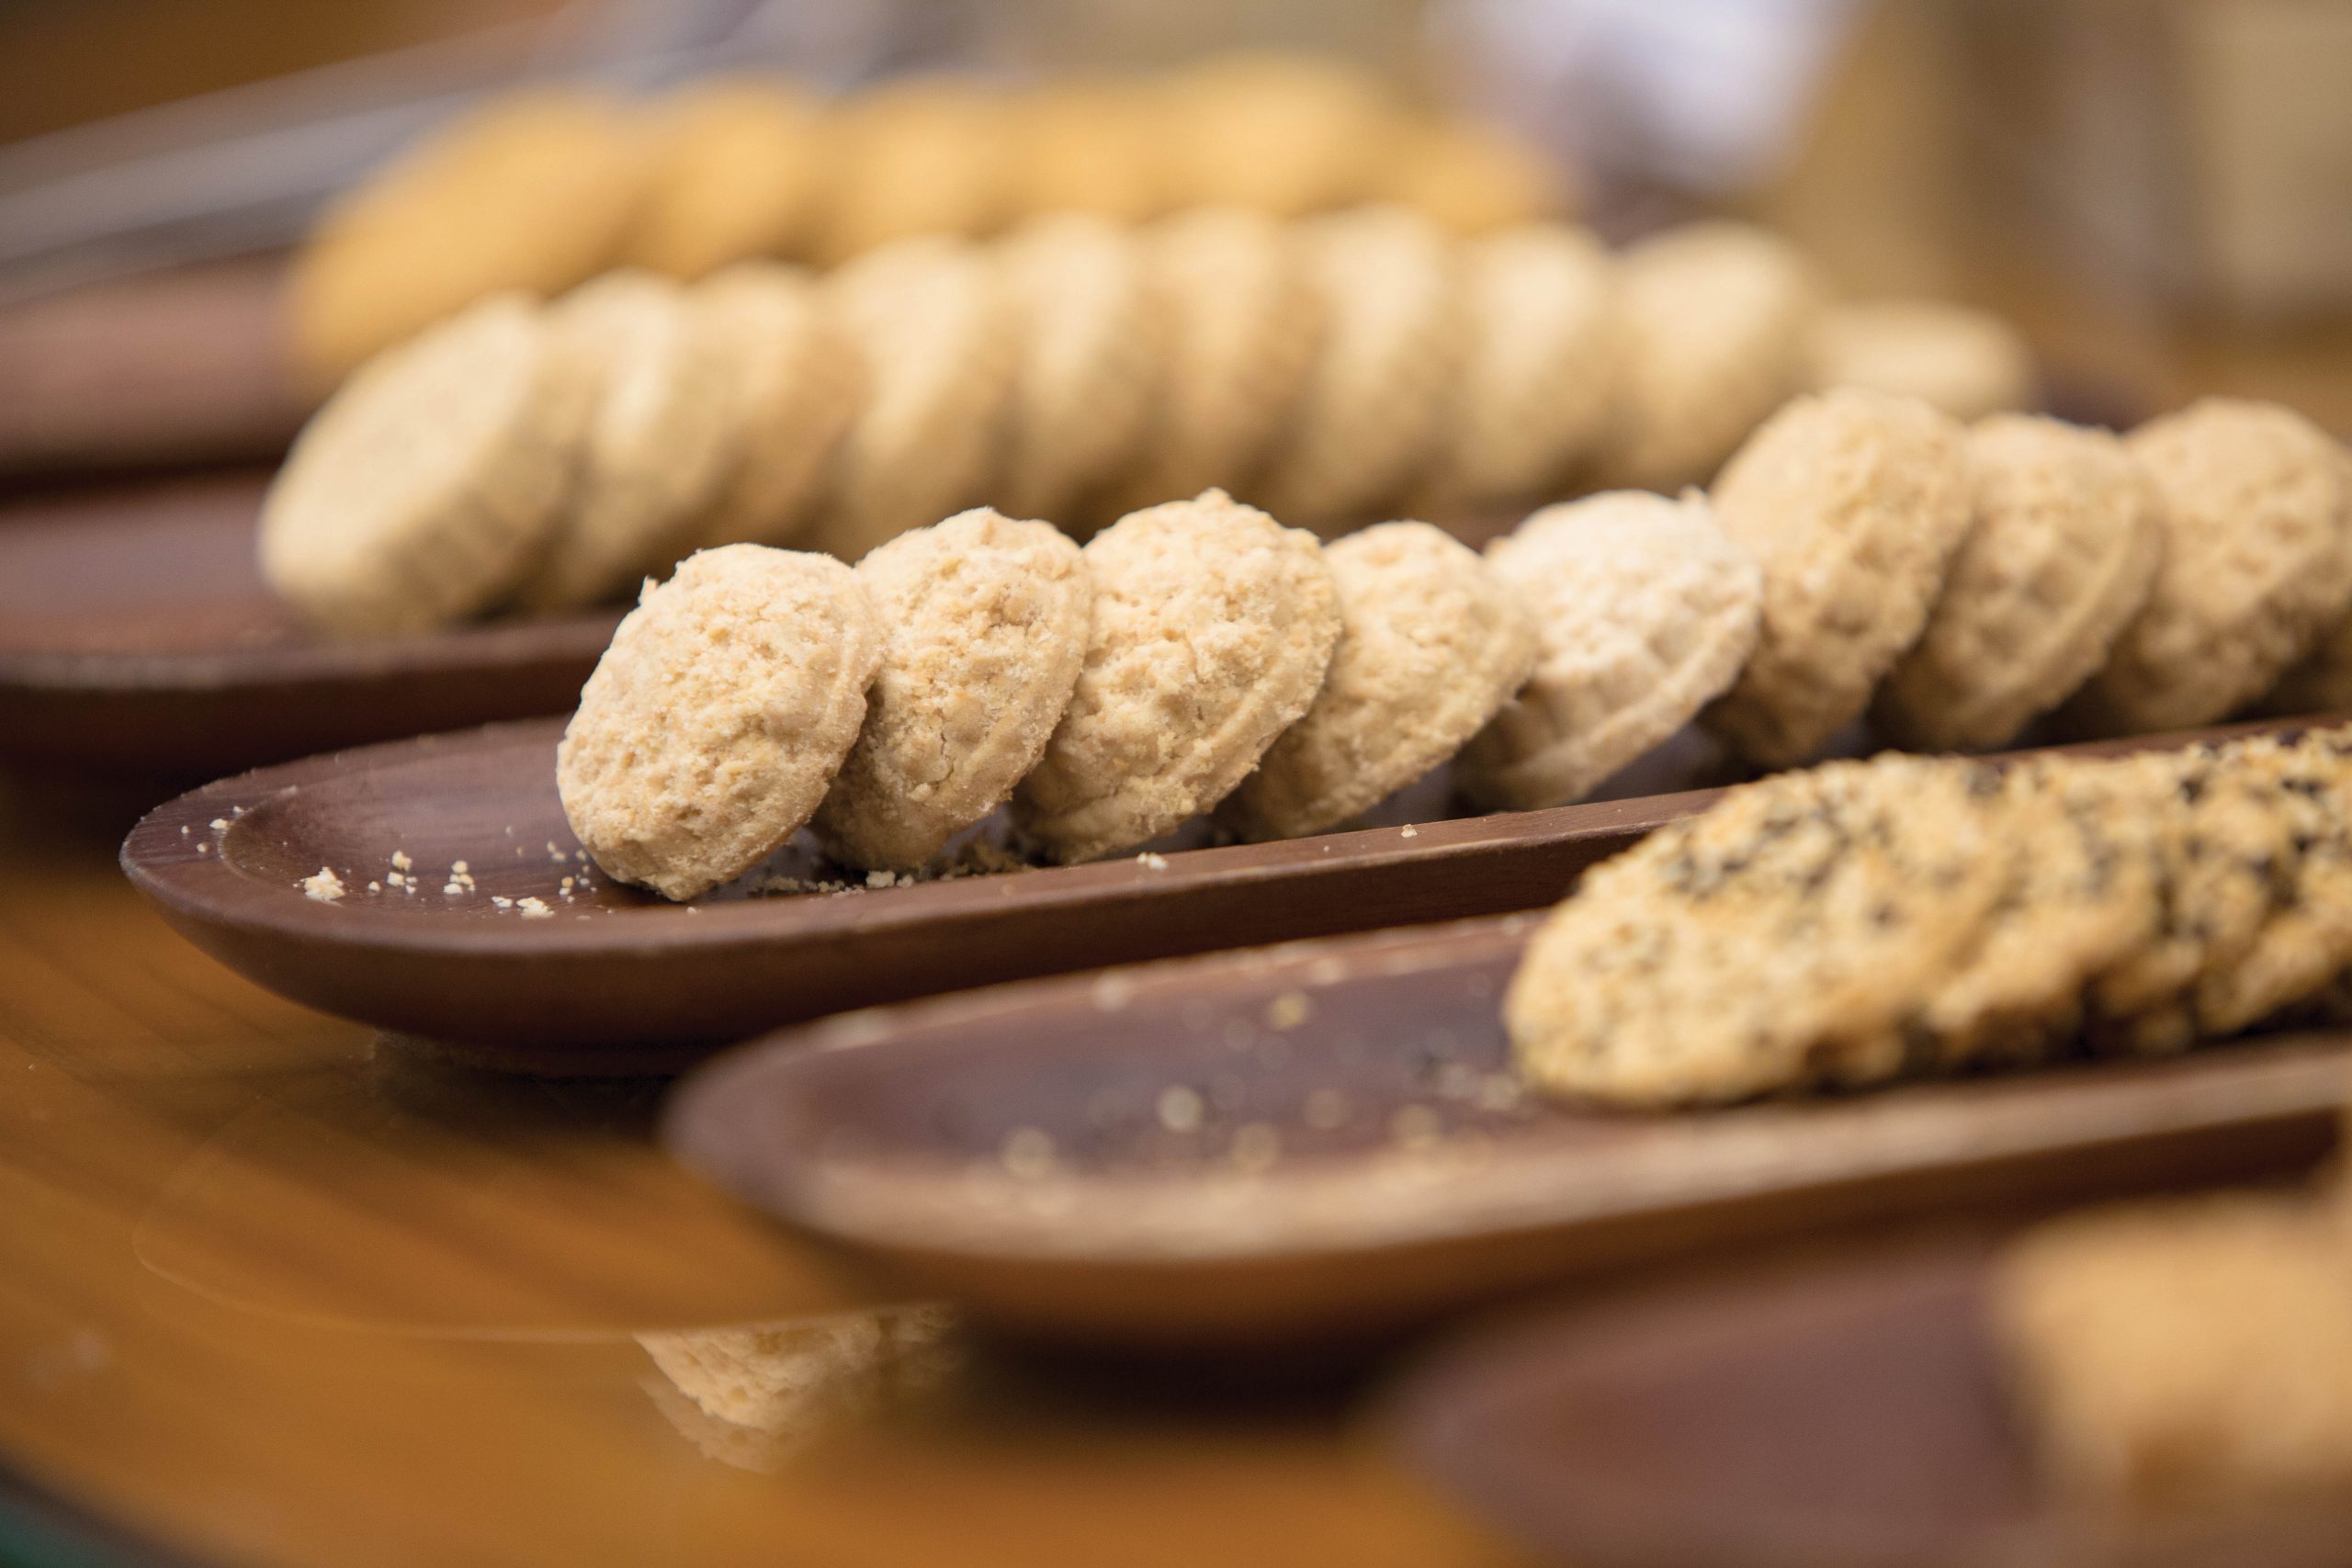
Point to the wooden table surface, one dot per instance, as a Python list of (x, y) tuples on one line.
[(274, 1294)]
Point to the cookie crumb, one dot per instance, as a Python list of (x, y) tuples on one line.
[(204, 846), (1409, 831), (535, 909), (395, 878), (220, 824), (451, 889), (1151, 860), (501, 903), (323, 885), (375, 887), (401, 861)]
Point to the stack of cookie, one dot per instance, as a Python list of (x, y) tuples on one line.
[(1861, 922)]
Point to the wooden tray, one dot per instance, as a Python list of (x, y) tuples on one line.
[(136, 636), (1326, 1138), (1845, 1414)]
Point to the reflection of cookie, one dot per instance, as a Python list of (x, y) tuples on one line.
[(1715, 316), (659, 439), (925, 155), (1279, 133), (1778, 940), (984, 623), (430, 481), (1089, 347), (939, 351), (2256, 565), (1852, 501), (715, 721), (532, 192), (1213, 628), (1967, 362), (738, 168), (1644, 612), (1430, 646), (794, 379), (2060, 559), (1378, 391), (1538, 371), (1472, 179)]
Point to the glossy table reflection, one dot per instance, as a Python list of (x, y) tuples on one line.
[(274, 1292)]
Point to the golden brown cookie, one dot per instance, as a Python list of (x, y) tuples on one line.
[(740, 166), (919, 156), (1088, 144), (1283, 134), (1472, 179)]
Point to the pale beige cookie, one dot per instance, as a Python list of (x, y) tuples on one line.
[(1775, 942), (1967, 362), (714, 723), (1242, 322), (985, 623), (2307, 940), (796, 382), (922, 156), (1213, 628), (1715, 316), (1088, 144), (429, 483), (740, 168), (939, 349), (1539, 366), (1376, 394), (1431, 645), (1853, 502), (1472, 179), (2323, 682), (2183, 1353), (1283, 134), (660, 439), (1644, 613), (532, 191), (1090, 331), (2256, 565), (2063, 554)]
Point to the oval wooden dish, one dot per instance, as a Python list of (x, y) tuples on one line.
[(136, 636), (1842, 1414), (1326, 1138)]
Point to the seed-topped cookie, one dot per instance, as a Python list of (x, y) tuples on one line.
[(1431, 645), (2307, 940), (715, 721), (1774, 943), (2063, 554), (1644, 613), (984, 623), (2257, 565), (427, 485), (1213, 628), (1852, 501)]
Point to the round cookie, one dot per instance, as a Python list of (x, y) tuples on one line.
[(717, 718), (2307, 940), (1715, 316), (1431, 645), (1087, 144), (2062, 554), (660, 438), (1088, 348), (1282, 134), (740, 166), (1776, 941), (1967, 362), (984, 625), (939, 351), (1852, 501), (1538, 377), (2256, 565), (1644, 613), (428, 484), (1371, 415), (922, 156), (1213, 628), (2323, 682), (1472, 179), (796, 383), (534, 191)]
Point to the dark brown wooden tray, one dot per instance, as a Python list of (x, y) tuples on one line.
[(1326, 1138), (1841, 1414), (136, 636)]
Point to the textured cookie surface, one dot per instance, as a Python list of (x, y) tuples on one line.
[(2306, 940), (1774, 943), (714, 723), (2256, 565), (1715, 316), (984, 622), (1213, 628), (1852, 501), (2062, 554), (740, 166), (426, 486), (1431, 645), (1967, 362), (1645, 612)]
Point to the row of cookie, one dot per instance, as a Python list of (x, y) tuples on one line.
[(542, 189), (1861, 922), (1193, 656)]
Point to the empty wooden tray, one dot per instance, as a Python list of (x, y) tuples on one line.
[(1845, 1414), (1327, 1136)]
